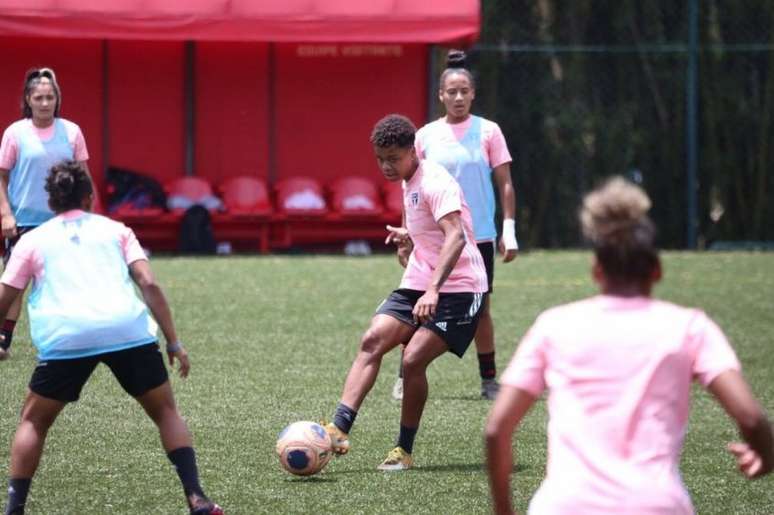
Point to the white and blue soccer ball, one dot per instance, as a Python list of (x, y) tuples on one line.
[(304, 448)]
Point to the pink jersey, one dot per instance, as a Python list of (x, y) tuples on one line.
[(618, 373), (9, 148), (494, 149), (428, 196)]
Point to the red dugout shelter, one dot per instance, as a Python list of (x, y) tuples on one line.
[(227, 88)]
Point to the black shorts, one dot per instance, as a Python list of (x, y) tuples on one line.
[(11, 242), (487, 249), (456, 316), (138, 370)]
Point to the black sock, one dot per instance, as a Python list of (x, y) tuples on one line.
[(7, 332), (184, 460), (486, 365), (406, 438), (344, 417), (17, 495)]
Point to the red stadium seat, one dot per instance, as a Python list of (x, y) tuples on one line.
[(301, 196), (193, 188), (245, 223), (184, 192), (245, 196), (355, 197)]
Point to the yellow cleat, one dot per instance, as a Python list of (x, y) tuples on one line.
[(397, 459), (339, 439)]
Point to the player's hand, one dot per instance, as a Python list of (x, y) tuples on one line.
[(397, 235), (181, 355), (509, 254), (749, 462), (404, 252), (8, 224), (424, 309)]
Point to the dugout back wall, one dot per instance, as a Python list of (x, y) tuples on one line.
[(238, 108)]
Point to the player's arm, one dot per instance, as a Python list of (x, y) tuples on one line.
[(508, 245), (510, 407), (755, 457), (157, 303), (8, 220), (453, 243)]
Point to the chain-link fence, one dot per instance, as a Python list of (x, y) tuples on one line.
[(587, 89)]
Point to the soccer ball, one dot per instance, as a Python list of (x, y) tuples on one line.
[(304, 448)]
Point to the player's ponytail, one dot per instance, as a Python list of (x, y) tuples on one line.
[(614, 219)]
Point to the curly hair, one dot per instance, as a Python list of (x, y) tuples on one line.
[(614, 219), (67, 184), (393, 130), (34, 78)]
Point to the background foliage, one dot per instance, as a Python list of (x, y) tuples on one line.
[(586, 89)]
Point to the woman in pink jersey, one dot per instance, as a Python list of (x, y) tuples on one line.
[(618, 369), (29, 148), (437, 305), (474, 152), (84, 311)]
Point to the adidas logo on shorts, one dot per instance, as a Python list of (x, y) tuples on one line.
[(441, 326)]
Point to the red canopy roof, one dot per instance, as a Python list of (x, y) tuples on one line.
[(378, 21)]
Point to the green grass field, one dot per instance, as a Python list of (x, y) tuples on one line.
[(271, 339)]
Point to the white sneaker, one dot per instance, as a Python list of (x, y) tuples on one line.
[(397, 390)]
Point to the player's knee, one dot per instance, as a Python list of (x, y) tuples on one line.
[(38, 423), (413, 363), (373, 342)]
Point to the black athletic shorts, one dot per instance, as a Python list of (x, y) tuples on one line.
[(487, 249), (11, 242), (456, 316), (138, 370)]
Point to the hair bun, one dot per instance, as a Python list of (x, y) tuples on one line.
[(455, 59), (617, 206)]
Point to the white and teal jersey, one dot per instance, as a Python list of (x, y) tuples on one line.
[(27, 179), (82, 301), (469, 151)]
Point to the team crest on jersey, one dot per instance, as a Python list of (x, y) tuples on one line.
[(414, 198)]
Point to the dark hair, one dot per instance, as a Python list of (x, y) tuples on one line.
[(393, 130), (455, 63), (614, 218), (67, 184), (32, 79)]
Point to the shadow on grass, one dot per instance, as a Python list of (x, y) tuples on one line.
[(466, 398), (449, 467), (460, 467), (310, 479)]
